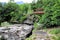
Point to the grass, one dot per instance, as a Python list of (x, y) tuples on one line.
[(5, 24), (55, 32), (32, 37)]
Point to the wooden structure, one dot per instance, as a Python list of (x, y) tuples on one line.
[(39, 11)]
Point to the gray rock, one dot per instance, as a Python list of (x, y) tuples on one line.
[(41, 35), (14, 32), (28, 21)]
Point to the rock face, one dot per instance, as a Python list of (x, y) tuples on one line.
[(14, 32)]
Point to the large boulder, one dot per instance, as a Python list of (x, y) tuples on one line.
[(14, 32)]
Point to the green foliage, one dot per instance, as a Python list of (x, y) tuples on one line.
[(6, 24), (56, 37), (13, 12), (24, 8), (51, 14), (5, 13), (35, 25), (24, 11), (31, 37), (55, 31)]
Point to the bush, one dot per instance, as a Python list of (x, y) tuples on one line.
[(5, 13), (51, 14), (13, 12)]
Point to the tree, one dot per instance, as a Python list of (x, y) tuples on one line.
[(11, 1), (5, 14)]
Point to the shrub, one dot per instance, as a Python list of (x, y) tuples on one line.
[(13, 12), (5, 13), (51, 14)]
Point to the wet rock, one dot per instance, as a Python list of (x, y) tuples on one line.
[(14, 32)]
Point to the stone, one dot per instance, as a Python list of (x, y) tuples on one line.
[(41, 35), (14, 32), (28, 21)]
